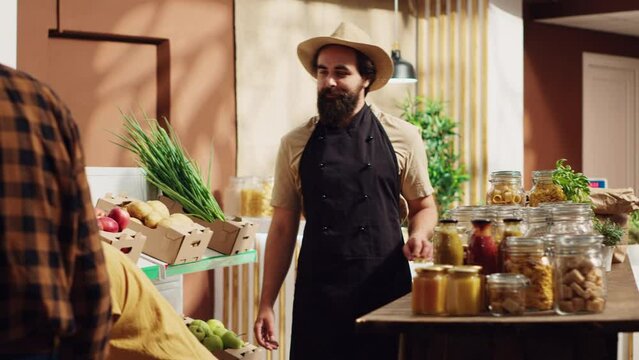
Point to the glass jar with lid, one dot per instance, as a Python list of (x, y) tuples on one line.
[(580, 284), (232, 198), (464, 291), (506, 294), (464, 215), (499, 213), (544, 190), (429, 290), (447, 244), (527, 256), (482, 249), (505, 189), (571, 218), (513, 227), (537, 221)]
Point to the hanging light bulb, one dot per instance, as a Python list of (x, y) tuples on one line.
[(403, 71)]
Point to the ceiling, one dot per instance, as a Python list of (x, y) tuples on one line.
[(625, 22)]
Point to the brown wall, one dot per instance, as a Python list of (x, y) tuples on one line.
[(553, 89), (97, 78)]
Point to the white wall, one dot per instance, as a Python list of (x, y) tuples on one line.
[(8, 32), (505, 86)]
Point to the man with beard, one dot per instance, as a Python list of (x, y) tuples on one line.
[(346, 170)]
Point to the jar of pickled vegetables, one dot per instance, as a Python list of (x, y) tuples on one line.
[(526, 256), (505, 189), (482, 249), (447, 243), (429, 291), (580, 284), (464, 293), (506, 294), (499, 214), (544, 190)]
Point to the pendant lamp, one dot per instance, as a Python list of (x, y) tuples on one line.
[(403, 71)]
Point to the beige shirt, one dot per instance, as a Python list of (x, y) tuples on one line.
[(406, 141)]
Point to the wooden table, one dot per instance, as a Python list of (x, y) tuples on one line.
[(542, 335)]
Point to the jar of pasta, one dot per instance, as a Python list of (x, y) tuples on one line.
[(506, 294), (505, 189), (256, 196), (544, 190), (429, 291), (580, 280), (464, 291), (526, 256)]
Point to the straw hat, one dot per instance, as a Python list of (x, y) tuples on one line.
[(349, 35)]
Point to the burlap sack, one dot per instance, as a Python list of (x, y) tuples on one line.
[(616, 205)]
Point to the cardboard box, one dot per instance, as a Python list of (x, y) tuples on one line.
[(128, 241), (167, 244), (229, 237), (247, 352)]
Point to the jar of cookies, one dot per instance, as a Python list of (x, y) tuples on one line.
[(506, 294), (526, 256), (505, 189), (580, 284)]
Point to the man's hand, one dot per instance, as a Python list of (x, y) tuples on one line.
[(264, 329), (418, 248)]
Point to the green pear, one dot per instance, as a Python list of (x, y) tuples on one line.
[(219, 331), (231, 340), (213, 343), (215, 323), (198, 327)]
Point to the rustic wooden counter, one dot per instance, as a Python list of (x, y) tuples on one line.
[(545, 334)]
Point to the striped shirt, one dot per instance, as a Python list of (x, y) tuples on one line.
[(54, 285)]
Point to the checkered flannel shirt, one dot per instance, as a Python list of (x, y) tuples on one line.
[(53, 280)]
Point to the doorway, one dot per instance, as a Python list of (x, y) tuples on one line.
[(610, 117)]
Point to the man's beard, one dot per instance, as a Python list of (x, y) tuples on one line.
[(334, 111)]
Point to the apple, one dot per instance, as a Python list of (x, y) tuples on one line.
[(107, 224), (121, 216), (213, 343), (198, 331)]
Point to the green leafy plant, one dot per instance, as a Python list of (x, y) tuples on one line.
[(447, 173), (611, 231), (574, 184), (633, 228)]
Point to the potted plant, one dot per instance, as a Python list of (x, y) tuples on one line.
[(612, 233), (447, 173)]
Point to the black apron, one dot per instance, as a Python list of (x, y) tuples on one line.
[(351, 261)]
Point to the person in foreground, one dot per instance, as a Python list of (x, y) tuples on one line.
[(54, 301), (346, 170), (145, 326)]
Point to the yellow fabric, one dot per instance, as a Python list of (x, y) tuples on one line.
[(145, 325), (407, 144)]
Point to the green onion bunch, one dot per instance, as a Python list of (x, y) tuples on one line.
[(168, 167)]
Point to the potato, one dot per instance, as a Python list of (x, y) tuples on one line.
[(159, 207), (152, 219), (139, 209)]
